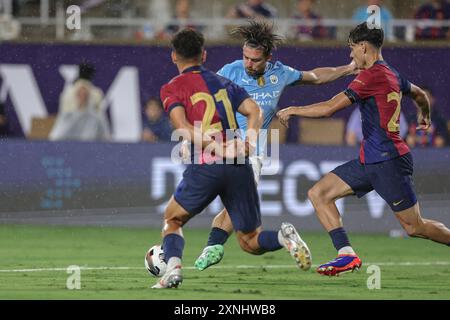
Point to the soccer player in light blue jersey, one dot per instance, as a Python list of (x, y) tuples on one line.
[(264, 81)]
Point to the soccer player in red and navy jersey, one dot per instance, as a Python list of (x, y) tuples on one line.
[(385, 163), (203, 104)]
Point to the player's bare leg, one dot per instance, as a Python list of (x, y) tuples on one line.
[(214, 251), (416, 226), (249, 241), (222, 228), (323, 196), (258, 242), (175, 217), (223, 221)]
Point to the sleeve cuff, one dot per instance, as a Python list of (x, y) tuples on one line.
[(241, 99), (173, 106), (298, 81), (408, 88)]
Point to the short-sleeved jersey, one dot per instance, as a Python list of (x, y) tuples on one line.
[(378, 90), (208, 99), (276, 76)]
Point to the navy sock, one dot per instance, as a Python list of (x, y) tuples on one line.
[(268, 240), (339, 238), (173, 246), (217, 236)]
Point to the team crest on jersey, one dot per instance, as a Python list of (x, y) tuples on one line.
[(273, 79)]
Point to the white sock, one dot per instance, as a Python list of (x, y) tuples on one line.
[(173, 262), (281, 239), (346, 250)]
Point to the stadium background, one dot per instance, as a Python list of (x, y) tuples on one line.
[(93, 181), (127, 182)]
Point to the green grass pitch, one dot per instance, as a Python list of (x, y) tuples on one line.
[(112, 267)]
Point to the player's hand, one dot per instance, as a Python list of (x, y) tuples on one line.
[(354, 70), (232, 149), (423, 120), (250, 147), (284, 116), (251, 141), (185, 152)]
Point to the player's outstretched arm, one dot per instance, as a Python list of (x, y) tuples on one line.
[(254, 115), (328, 74), (423, 105), (318, 110)]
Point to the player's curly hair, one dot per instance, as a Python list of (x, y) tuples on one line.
[(258, 34)]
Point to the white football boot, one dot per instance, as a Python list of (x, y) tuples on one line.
[(171, 279), (296, 246)]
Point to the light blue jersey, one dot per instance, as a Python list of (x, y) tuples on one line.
[(277, 76)]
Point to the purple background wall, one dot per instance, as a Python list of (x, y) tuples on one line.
[(420, 65)]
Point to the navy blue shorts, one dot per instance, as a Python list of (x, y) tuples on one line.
[(235, 184), (391, 179)]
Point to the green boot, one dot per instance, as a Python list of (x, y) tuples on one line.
[(211, 255)]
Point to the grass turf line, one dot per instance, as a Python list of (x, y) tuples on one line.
[(24, 247)]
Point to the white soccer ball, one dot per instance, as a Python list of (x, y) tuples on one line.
[(154, 261)]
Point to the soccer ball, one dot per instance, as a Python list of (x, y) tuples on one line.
[(154, 261)]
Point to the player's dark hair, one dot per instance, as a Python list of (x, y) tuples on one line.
[(188, 43), (362, 32), (258, 35)]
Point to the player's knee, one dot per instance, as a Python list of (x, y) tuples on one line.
[(244, 246), (248, 247), (413, 230), (314, 195), (174, 222)]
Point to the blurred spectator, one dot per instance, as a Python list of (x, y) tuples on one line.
[(156, 124), (11, 7), (304, 11), (182, 16), (436, 135), (252, 9), (80, 115), (4, 128), (361, 15), (354, 134), (10, 27), (433, 10)]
